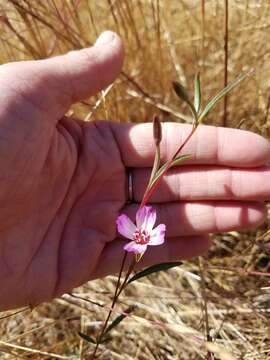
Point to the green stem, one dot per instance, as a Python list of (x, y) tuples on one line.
[(155, 167), (148, 193)]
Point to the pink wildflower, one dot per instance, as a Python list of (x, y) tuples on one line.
[(142, 234)]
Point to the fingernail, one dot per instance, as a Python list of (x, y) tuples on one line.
[(105, 38)]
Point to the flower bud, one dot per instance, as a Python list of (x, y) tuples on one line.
[(157, 130)]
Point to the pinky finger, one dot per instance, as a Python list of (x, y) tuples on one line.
[(179, 248)]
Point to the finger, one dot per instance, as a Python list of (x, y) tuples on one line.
[(193, 218), (174, 249), (205, 183), (52, 85), (209, 145)]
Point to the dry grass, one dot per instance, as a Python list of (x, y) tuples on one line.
[(165, 40)]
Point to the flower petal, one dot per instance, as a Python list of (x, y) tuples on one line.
[(146, 218), (157, 235), (125, 226), (136, 248)]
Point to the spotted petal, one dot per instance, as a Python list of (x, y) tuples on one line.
[(125, 226), (157, 235), (146, 218), (135, 248)]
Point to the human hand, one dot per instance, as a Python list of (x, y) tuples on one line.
[(63, 181)]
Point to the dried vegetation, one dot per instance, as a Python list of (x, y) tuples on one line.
[(224, 297)]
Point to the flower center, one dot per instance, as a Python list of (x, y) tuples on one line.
[(141, 237)]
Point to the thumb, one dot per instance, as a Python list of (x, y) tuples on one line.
[(54, 84)]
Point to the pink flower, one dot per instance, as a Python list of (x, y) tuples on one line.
[(142, 234)]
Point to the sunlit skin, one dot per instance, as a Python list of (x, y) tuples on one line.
[(63, 181)]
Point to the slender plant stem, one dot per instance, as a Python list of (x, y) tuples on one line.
[(115, 297), (14, 313), (131, 268), (150, 191), (226, 35)]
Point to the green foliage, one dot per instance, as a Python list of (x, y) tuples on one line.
[(87, 338), (212, 103), (154, 269), (197, 93), (119, 319), (182, 93), (195, 109), (177, 161)]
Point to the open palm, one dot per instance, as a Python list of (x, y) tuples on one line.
[(63, 181)]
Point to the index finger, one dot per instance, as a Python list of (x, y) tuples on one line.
[(209, 145)]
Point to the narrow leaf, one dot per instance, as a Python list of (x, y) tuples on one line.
[(115, 322), (155, 165), (179, 159), (118, 319), (86, 338), (160, 172), (182, 93), (197, 93), (154, 269), (222, 93), (106, 339), (157, 135)]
